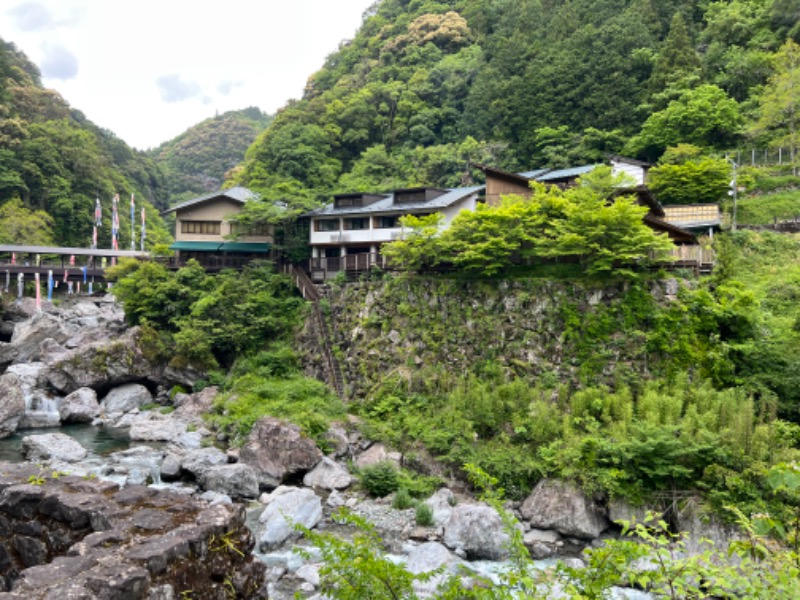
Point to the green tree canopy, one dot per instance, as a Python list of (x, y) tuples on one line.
[(20, 225)]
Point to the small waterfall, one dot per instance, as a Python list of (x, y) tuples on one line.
[(41, 410)]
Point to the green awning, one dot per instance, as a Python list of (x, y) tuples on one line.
[(246, 247), (196, 246)]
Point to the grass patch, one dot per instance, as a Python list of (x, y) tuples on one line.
[(766, 209)]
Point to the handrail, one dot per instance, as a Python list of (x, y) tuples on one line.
[(310, 293)]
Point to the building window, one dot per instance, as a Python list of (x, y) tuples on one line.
[(256, 229), (387, 222), (326, 225), (201, 227), (356, 223)]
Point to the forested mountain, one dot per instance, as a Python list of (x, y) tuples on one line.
[(196, 161), (426, 86), (54, 163)]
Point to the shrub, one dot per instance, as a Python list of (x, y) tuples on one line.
[(402, 499), (424, 515), (379, 479)]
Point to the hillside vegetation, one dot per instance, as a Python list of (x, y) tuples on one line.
[(54, 163), (197, 161), (426, 86)]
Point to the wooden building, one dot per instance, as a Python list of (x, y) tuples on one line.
[(204, 230)]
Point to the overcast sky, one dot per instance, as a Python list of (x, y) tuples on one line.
[(148, 70)]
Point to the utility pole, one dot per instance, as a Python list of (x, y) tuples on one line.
[(734, 192)]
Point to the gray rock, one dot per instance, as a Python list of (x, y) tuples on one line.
[(429, 557), (375, 454), (57, 446), (29, 335), (216, 498), (171, 467), (152, 426), (476, 530), (561, 506), (335, 500), (81, 406), (101, 364), (277, 449), (328, 475), (197, 404), (309, 573), (237, 480), (441, 504), (140, 465), (124, 399), (12, 404), (290, 507), (620, 510), (199, 461)]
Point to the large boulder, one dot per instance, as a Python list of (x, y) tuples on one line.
[(441, 504), (377, 453), (277, 449), (198, 461), (152, 426), (12, 404), (236, 480), (29, 335), (124, 399), (195, 405), (328, 475), (476, 531), (561, 506), (55, 446), (81, 406), (288, 507), (102, 364), (430, 557)]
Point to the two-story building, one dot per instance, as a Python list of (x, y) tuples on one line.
[(348, 234), (204, 230)]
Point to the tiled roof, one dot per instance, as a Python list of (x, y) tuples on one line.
[(565, 173), (535, 173), (693, 215), (237, 194), (387, 205)]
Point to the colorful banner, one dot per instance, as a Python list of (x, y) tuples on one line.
[(49, 286), (38, 291), (133, 223), (20, 285), (143, 229)]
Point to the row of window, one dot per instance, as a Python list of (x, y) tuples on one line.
[(356, 223), (213, 228)]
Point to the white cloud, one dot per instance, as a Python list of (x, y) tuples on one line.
[(219, 58), (31, 16), (58, 62), (173, 89)]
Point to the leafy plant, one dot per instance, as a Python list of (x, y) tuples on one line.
[(379, 479)]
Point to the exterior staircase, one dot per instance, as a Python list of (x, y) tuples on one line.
[(310, 293)]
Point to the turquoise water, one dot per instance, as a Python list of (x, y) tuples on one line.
[(97, 440)]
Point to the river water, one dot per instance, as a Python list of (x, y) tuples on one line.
[(97, 440)]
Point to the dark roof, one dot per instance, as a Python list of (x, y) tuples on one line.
[(569, 173), (237, 194), (645, 196), (681, 234), (387, 205)]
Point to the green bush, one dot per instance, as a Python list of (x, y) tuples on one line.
[(402, 499), (380, 479), (423, 515)]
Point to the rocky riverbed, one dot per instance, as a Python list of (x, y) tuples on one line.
[(80, 364)]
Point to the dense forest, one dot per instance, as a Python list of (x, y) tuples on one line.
[(197, 161), (426, 86), (55, 163)]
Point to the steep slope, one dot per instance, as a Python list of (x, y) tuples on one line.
[(426, 86), (196, 161), (57, 161)]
